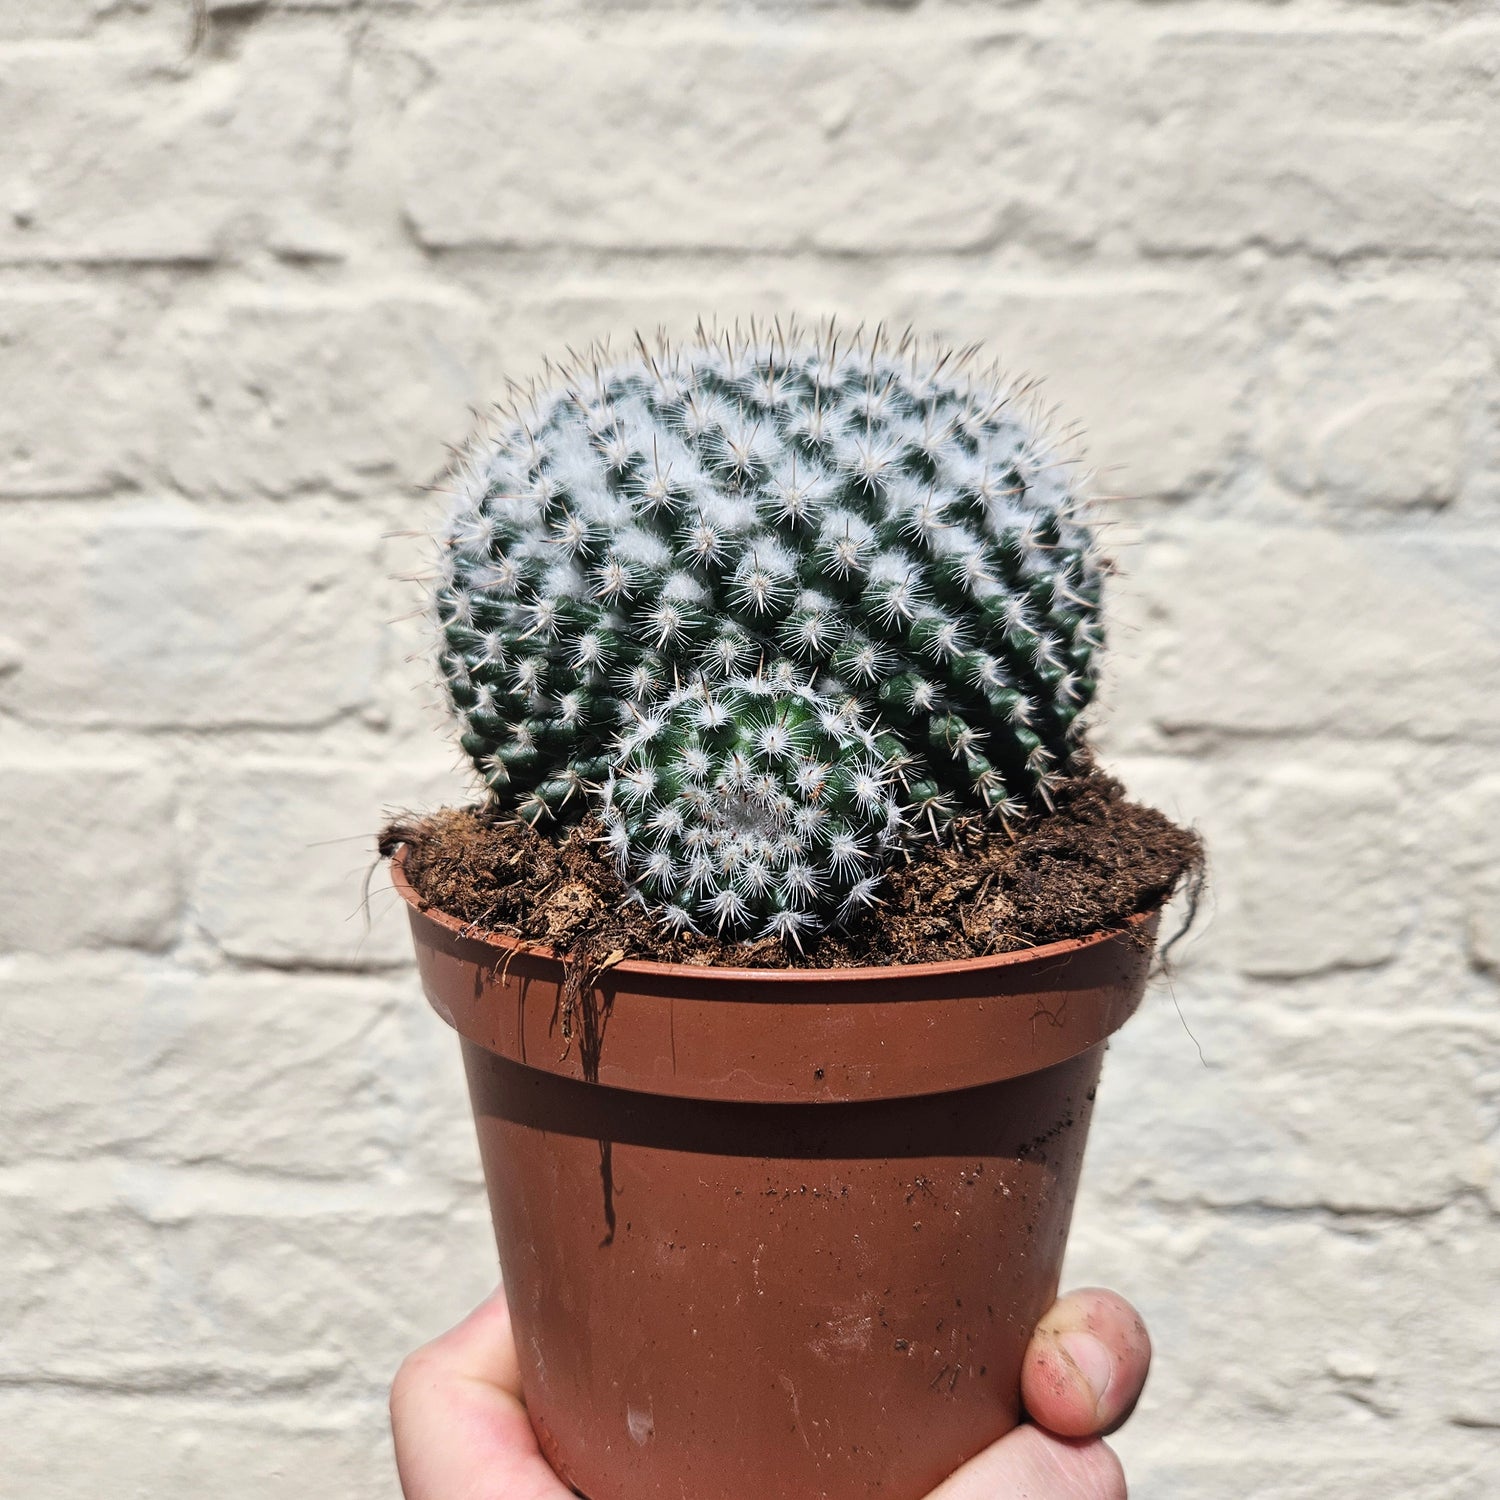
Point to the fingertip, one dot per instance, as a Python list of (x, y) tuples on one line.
[(1086, 1365)]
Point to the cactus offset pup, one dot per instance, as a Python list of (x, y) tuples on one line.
[(771, 608)]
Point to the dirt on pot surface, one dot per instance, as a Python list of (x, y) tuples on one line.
[(1094, 861)]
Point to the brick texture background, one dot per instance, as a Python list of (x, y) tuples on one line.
[(248, 288)]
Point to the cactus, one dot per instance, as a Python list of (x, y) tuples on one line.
[(706, 591)]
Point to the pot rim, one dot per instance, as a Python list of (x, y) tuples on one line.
[(862, 975)]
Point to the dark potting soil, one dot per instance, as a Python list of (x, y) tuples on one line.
[(1084, 867)]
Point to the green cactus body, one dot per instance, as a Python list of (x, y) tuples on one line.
[(872, 528)]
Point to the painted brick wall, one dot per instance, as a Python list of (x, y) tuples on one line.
[(247, 291)]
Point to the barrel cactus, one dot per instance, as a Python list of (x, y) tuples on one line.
[(770, 607)]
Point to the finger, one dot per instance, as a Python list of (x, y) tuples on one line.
[(1087, 1363), (1038, 1465), (482, 1346), (459, 1428)]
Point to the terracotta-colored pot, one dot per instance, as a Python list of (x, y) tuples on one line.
[(779, 1234)]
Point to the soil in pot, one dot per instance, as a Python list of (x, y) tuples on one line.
[(1097, 860)]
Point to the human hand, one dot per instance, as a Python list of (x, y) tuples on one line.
[(462, 1433)]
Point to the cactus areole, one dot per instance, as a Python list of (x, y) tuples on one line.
[(771, 608)]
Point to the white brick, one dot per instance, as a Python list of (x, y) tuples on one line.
[(1155, 375), (1369, 887), (93, 856), (1266, 628), (1320, 871), (174, 1067), (71, 368), (1254, 1458), (155, 618), (23, 19), (1489, 1097), (282, 394), (1477, 813), (1317, 863), (142, 154), (285, 852), (769, 135), (250, 1302), (1340, 140), (1377, 396), (1336, 1108), (1326, 1337), (149, 1446)]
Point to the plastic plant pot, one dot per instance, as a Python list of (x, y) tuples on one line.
[(778, 1234)]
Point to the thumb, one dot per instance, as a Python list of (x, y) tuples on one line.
[(1035, 1464)]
